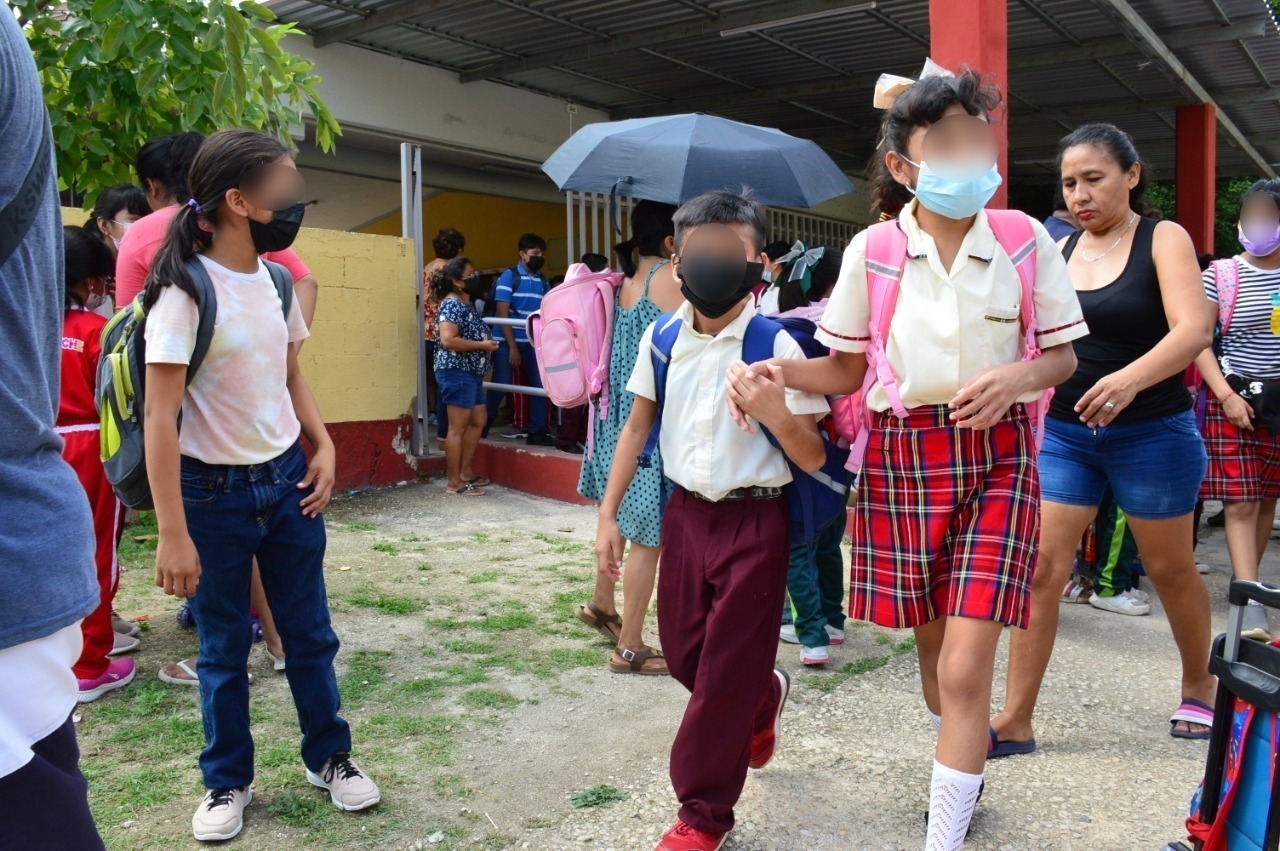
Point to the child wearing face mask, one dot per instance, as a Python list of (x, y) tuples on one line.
[(725, 529), (89, 266), (236, 484), (945, 516)]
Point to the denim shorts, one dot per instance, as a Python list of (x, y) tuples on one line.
[(1154, 467), (459, 388)]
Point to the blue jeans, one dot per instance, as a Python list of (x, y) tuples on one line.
[(1154, 467), (233, 514), (502, 375)]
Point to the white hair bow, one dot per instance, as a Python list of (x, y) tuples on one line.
[(889, 86)]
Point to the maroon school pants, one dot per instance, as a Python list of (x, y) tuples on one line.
[(724, 573)]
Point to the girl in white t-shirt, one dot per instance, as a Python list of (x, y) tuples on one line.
[(235, 482)]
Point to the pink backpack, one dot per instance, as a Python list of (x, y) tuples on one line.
[(886, 256), (572, 334)]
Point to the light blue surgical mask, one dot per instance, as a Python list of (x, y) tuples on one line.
[(958, 195)]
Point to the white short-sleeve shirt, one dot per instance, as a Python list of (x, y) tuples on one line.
[(949, 326), (703, 449), (237, 409)]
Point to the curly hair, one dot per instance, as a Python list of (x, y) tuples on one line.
[(449, 243), (442, 279)]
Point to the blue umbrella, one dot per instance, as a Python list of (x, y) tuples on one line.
[(674, 158)]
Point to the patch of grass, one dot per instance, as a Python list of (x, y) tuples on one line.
[(146, 699), (479, 538), (424, 566), (469, 645), (294, 809), (510, 615), (450, 676), (276, 756), (386, 547), (366, 671), (560, 544), (411, 539), (545, 664), (386, 605), (598, 796), (146, 787), (159, 739), (484, 576), (451, 786), (360, 526), (538, 822), (906, 645), (884, 639), (827, 683), (488, 698)]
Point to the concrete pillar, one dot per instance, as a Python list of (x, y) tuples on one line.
[(1196, 173), (976, 33)]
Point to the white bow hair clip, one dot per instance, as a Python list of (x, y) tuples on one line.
[(889, 86)]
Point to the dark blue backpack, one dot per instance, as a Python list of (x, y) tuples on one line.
[(816, 500)]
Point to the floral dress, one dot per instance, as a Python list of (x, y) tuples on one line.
[(639, 516)]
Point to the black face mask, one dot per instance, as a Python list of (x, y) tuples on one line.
[(715, 285), (534, 263), (473, 287), (279, 233)]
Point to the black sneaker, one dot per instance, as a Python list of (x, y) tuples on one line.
[(540, 438), (573, 449)]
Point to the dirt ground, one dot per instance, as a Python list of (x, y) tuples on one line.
[(484, 710)]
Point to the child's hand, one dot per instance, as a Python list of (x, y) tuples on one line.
[(987, 397), (177, 565), (758, 392), (741, 371), (320, 475), (609, 548)]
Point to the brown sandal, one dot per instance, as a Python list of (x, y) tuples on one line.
[(634, 661), (592, 616)]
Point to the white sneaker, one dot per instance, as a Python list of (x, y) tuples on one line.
[(347, 785), (1119, 604), (815, 657), (836, 635), (1139, 595), (1202, 568), (221, 814), (788, 633)]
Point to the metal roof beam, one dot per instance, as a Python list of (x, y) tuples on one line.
[(1153, 43), (377, 21), (728, 100), (655, 36), (1113, 48)]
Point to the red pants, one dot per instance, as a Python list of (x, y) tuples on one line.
[(724, 572), (82, 453)]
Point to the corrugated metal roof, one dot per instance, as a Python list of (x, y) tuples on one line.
[(829, 65)]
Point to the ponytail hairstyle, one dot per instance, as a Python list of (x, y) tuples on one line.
[(651, 224), (822, 278), (87, 256), (167, 160), (123, 197), (442, 279), (921, 105), (1117, 145), (219, 166)]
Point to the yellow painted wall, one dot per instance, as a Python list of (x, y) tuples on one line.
[(492, 226), (361, 359)]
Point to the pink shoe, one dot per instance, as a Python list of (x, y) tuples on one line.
[(119, 673)]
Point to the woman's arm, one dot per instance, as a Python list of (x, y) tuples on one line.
[(320, 470), (452, 339), (177, 562), (839, 374), (762, 395), (630, 444), (1191, 319)]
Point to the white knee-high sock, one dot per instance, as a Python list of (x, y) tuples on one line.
[(935, 720), (953, 795)]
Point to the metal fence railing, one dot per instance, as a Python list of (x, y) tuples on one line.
[(511, 388)]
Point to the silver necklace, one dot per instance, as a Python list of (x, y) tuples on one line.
[(1133, 217)]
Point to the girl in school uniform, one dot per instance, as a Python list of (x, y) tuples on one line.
[(946, 511), (89, 267), (236, 484)]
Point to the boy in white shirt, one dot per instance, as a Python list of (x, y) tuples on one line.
[(726, 526)]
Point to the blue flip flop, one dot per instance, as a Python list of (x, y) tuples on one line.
[(997, 749)]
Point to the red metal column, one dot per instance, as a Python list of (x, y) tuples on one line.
[(1195, 172), (976, 33)]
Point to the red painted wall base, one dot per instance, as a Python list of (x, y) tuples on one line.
[(541, 472), (373, 453)]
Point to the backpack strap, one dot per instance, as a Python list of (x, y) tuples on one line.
[(1226, 277), (17, 215), (283, 279), (666, 328), (207, 309), (886, 256), (1017, 237)]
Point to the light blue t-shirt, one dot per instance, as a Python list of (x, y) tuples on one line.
[(523, 290), (47, 576)]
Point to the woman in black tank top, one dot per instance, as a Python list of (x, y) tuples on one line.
[(1123, 420)]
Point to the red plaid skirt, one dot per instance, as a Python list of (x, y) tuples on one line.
[(1244, 466), (946, 521)]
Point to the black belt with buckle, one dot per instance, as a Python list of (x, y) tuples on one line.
[(740, 494)]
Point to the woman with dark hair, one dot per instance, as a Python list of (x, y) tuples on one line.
[(648, 290), (947, 503), (236, 483), (448, 244), (1124, 419), (1241, 374), (117, 208), (461, 360)]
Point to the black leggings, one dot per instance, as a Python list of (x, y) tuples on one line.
[(46, 802)]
